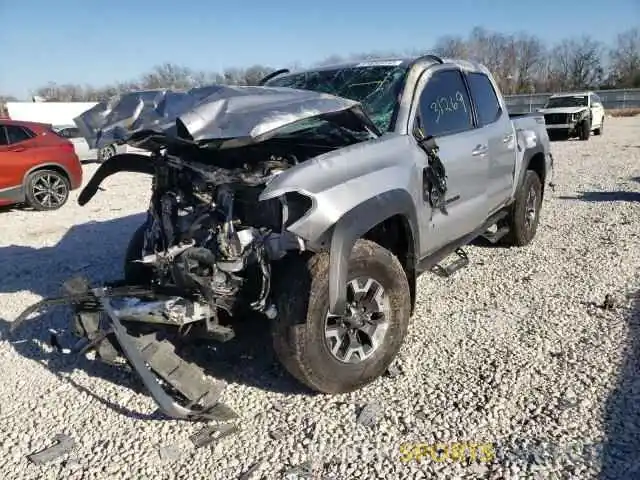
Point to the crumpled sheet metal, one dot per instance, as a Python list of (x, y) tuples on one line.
[(208, 113)]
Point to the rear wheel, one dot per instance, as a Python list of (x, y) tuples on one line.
[(333, 354), (47, 190), (525, 212)]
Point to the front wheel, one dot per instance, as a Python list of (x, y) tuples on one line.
[(341, 354)]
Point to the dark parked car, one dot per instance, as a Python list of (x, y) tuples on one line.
[(39, 167)]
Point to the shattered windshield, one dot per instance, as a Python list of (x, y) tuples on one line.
[(375, 85), (561, 102)]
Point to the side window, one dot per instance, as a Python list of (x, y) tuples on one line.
[(444, 104), (17, 134), (3, 136), (485, 98)]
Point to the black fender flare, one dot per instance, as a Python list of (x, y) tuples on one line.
[(526, 160), (122, 162), (355, 223)]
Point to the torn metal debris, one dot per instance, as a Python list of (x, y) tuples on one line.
[(64, 443), (151, 356), (253, 469), (278, 434), (299, 472), (370, 415), (212, 434), (394, 370), (169, 453)]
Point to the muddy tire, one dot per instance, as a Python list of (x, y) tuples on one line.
[(47, 190), (323, 353), (525, 212), (136, 273)]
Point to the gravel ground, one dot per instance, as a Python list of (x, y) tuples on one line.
[(516, 351)]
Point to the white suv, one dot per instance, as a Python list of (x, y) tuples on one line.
[(574, 114)]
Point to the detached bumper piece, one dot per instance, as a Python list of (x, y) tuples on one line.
[(149, 355)]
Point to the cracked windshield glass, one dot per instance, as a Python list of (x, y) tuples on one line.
[(375, 85)]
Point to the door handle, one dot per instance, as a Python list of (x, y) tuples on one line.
[(507, 138), (480, 150), (17, 149)]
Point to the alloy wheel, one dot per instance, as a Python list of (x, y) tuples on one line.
[(358, 334)]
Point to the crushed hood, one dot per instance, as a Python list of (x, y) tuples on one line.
[(230, 115)]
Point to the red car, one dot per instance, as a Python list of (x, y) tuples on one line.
[(37, 166)]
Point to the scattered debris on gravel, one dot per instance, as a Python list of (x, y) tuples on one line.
[(63, 444), (504, 356), (370, 415)]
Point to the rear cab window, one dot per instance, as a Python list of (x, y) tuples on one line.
[(486, 100), (445, 106)]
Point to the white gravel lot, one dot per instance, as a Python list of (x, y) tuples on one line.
[(513, 351)]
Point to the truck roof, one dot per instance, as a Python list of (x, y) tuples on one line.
[(405, 61)]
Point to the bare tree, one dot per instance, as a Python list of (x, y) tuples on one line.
[(254, 74), (625, 59), (576, 64), (169, 75), (529, 63), (451, 47)]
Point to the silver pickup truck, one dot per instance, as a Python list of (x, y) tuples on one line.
[(315, 199)]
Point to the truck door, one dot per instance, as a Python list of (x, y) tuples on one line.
[(444, 111), (496, 127)]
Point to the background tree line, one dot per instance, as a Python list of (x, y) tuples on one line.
[(521, 63)]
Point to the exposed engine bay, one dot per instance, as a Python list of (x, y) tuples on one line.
[(208, 239), (207, 235)]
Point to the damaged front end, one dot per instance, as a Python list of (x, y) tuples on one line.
[(208, 247)]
